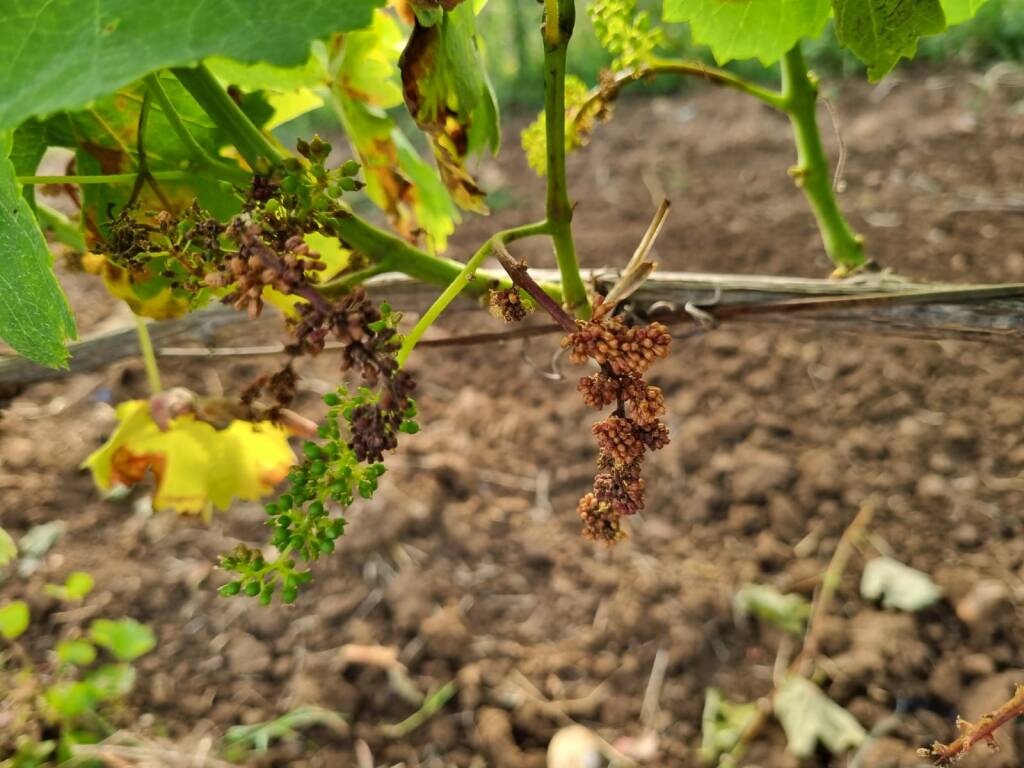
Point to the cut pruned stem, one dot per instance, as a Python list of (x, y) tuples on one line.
[(519, 274)]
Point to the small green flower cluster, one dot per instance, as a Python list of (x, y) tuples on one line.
[(313, 186), (329, 474)]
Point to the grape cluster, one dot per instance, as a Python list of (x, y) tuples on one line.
[(508, 305), (333, 472), (625, 353), (624, 349)]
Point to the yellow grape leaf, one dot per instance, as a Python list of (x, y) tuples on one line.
[(331, 252), (196, 466), (160, 304)]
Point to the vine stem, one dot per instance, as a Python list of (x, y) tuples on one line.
[(608, 91), (463, 279), (949, 754), (148, 356), (113, 178), (559, 208), (800, 93)]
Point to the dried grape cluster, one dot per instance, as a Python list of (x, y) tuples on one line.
[(507, 304), (634, 427)]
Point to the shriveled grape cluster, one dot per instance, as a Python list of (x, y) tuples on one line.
[(634, 427), (508, 304), (345, 463)]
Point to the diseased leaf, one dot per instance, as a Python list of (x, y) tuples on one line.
[(196, 467), (398, 180), (127, 639), (881, 32), (34, 315), (898, 585), (959, 11), (788, 612), (63, 54), (750, 29), (808, 716), (448, 94)]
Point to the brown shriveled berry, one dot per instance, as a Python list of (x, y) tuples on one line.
[(646, 402), (599, 390), (600, 521), (618, 439), (507, 305), (622, 487), (625, 349), (654, 436)]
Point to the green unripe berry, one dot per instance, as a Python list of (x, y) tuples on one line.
[(326, 546), (312, 450), (332, 399), (252, 588), (317, 468), (349, 168), (266, 597), (288, 595), (348, 184), (316, 509), (284, 502), (230, 589)]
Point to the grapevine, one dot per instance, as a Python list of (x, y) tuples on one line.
[(179, 194)]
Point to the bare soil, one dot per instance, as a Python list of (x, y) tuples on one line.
[(469, 559)]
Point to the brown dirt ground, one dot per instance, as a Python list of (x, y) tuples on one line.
[(469, 559)]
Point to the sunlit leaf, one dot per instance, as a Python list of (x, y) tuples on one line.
[(898, 585), (14, 619), (127, 639), (809, 716), (750, 29), (959, 11), (881, 32), (196, 466), (448, 94)]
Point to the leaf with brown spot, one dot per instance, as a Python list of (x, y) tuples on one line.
[(448, 94)]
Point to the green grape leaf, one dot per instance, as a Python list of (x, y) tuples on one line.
[(70, 700), (959, 11), (8, 549), (34, 315), (81, 653), (809, 716), (749, 29), (881, 32), (13, 619), (448, 94), (77, 585), (111, 681), (127, 639), (62, 54)]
